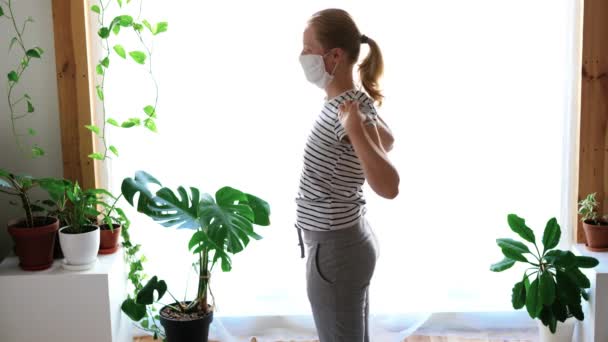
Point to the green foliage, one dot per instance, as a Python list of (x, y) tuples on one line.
[(588, 209), (552, 288), (119, 25), (223, 225)]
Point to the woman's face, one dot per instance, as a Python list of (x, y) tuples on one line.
[(311, 45)]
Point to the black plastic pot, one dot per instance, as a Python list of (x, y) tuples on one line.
[(195, 330)]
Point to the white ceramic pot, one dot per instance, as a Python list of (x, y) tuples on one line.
[(80, 250), (563, 333)]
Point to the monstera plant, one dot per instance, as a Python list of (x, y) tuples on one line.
[(222, 225), (552, 286)]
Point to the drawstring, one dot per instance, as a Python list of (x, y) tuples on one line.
[(300, 242)]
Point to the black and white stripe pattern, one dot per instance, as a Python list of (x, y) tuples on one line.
[(330, 195)]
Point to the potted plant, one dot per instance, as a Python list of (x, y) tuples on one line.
[(594, 225), (80, 238), (222, 226), (111, 224), (553, 284), (34, 235)]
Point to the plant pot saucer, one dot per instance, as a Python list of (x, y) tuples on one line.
[(595, 249), (108, 250), (69, 267)]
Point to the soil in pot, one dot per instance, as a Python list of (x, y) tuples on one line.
[(108, 242), (186, 327), (35, 246), (596, 235)]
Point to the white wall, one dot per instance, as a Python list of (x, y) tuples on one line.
[(40, 82)]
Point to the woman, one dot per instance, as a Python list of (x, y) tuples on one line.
[(347, 146)]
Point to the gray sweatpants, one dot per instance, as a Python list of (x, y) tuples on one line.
[(339, 268)]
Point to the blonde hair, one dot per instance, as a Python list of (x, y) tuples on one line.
[(335, 28)]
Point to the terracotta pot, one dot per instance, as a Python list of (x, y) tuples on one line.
[(596, 236), (34, 246), (108, 243)]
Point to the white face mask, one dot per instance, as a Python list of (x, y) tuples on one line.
[(314, 70)]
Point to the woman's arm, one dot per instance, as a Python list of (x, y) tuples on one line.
[(381, 175), (386, 136)]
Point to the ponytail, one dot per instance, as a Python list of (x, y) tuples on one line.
[(371, 69)]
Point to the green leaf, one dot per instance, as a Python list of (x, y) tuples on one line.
[(585, 295), (514, 255), (131, 123), (99, 93), (513, 245), (13, 76), (547, 288), (137, 27), (30, 107), (119, 3), (34, 53), (500, 266), (135, 311), (138, 56), (37, 152), (103, 32), (14, 40), (1, 11), (146, 295), (99, 69), (113, 122), (559, 310), (125, 20), (518, 225), (578, 278), (534, 299), (96, 9), (261, 210), (150, 124), (105, 62), (113, 149), (518, 298), (552, 234), (96, 155), (140, 184), (116, 29), (567, 290), (93, 128), (586, 262), (147, 24), (31, 131), (577, 311), (120, 50), (560, 258), (145, 324), (161, 27), (149, 110)]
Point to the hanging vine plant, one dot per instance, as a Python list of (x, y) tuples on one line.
[(142, 55), (21, 104), (109, 31)]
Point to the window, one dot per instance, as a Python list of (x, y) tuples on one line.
[(476, 93)]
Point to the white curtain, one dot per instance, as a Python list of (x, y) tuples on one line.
[(477, 93)]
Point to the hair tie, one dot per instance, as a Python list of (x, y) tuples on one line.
[(364, 39)]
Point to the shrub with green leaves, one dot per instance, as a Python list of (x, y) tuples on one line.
[(552, 287), (588, 210), (223, 225)]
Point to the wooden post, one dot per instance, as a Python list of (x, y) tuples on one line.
[(70, 22), (593, 162)]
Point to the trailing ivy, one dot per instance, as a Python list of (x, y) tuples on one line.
[(108, 32), (21, 105)]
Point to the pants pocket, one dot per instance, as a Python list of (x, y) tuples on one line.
[(321, 266)]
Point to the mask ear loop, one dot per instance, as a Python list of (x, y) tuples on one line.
[(333, 72)]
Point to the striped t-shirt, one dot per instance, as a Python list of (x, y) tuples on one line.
[(330, 195)]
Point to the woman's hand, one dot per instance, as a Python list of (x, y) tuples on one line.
[(351, 117)]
